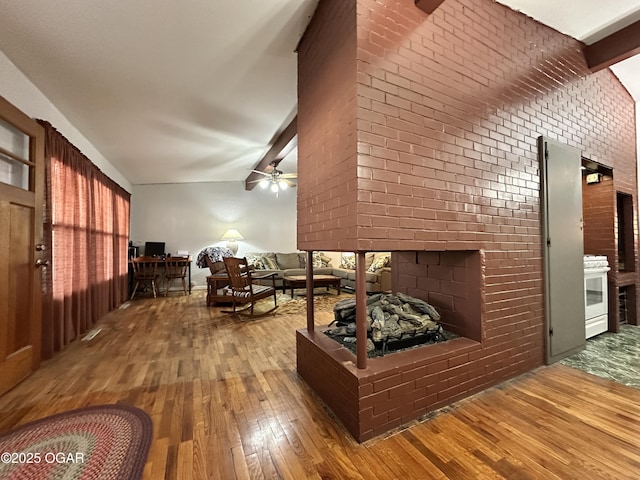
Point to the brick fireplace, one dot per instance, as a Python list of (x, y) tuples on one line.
[(418, 135)]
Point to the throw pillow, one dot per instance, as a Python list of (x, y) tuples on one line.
[(287, 261), (368, 259), (270, 262), (379, 263), (348, 260), (320, 260), (255, 260)]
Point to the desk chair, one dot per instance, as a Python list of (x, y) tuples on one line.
[(176, 267), (243, 290), (145, 272)]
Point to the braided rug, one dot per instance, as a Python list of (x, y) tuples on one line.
[(106, 442)]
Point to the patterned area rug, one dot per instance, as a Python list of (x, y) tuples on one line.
[(322, 301), (106, 442)]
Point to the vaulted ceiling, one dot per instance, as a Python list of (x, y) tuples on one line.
[(200, 90), (593, 22), (167, 91)]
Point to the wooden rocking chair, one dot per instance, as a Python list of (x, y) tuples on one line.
[(243, 290)]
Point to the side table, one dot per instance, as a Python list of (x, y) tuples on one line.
[(215, 284)]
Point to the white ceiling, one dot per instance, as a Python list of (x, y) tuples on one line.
[(166, 90), (198, 90), (589, 21)]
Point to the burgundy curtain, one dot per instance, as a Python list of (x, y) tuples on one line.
[(86, 229)]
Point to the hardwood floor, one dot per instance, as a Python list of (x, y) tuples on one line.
[(227, 403)]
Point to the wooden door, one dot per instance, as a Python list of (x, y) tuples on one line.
[(21, 197), (563, 254)]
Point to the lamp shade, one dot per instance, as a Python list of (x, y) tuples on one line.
[(232, 234)]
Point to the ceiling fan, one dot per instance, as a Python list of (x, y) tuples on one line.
[(275, 179)]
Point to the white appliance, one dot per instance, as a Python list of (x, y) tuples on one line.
[(595, 294)]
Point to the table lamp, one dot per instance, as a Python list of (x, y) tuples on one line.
[(231, 236)]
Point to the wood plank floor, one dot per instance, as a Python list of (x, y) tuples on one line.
[(227, 403)]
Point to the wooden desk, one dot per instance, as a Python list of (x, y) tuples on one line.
[(160, 261)]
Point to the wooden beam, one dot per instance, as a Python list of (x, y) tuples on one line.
[(428, 6), (616, 47), (285, 142)]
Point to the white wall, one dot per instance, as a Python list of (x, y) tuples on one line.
[(17, 89), (191, 216), (185, 216)]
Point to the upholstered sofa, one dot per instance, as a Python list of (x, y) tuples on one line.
[(378, 276), (288, 264), (378, 271)]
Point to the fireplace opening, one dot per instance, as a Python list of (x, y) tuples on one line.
[(435, 297), (452, 281), (394, 323)]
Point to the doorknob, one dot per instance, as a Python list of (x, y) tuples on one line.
[(42, 263), (41, 247)]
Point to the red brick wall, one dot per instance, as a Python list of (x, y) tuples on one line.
[(372, 401), (327, 128), (451, 106), (448, 111), (599, 215), (600, 238)]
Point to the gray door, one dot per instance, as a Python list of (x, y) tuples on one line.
[(563, 249)]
